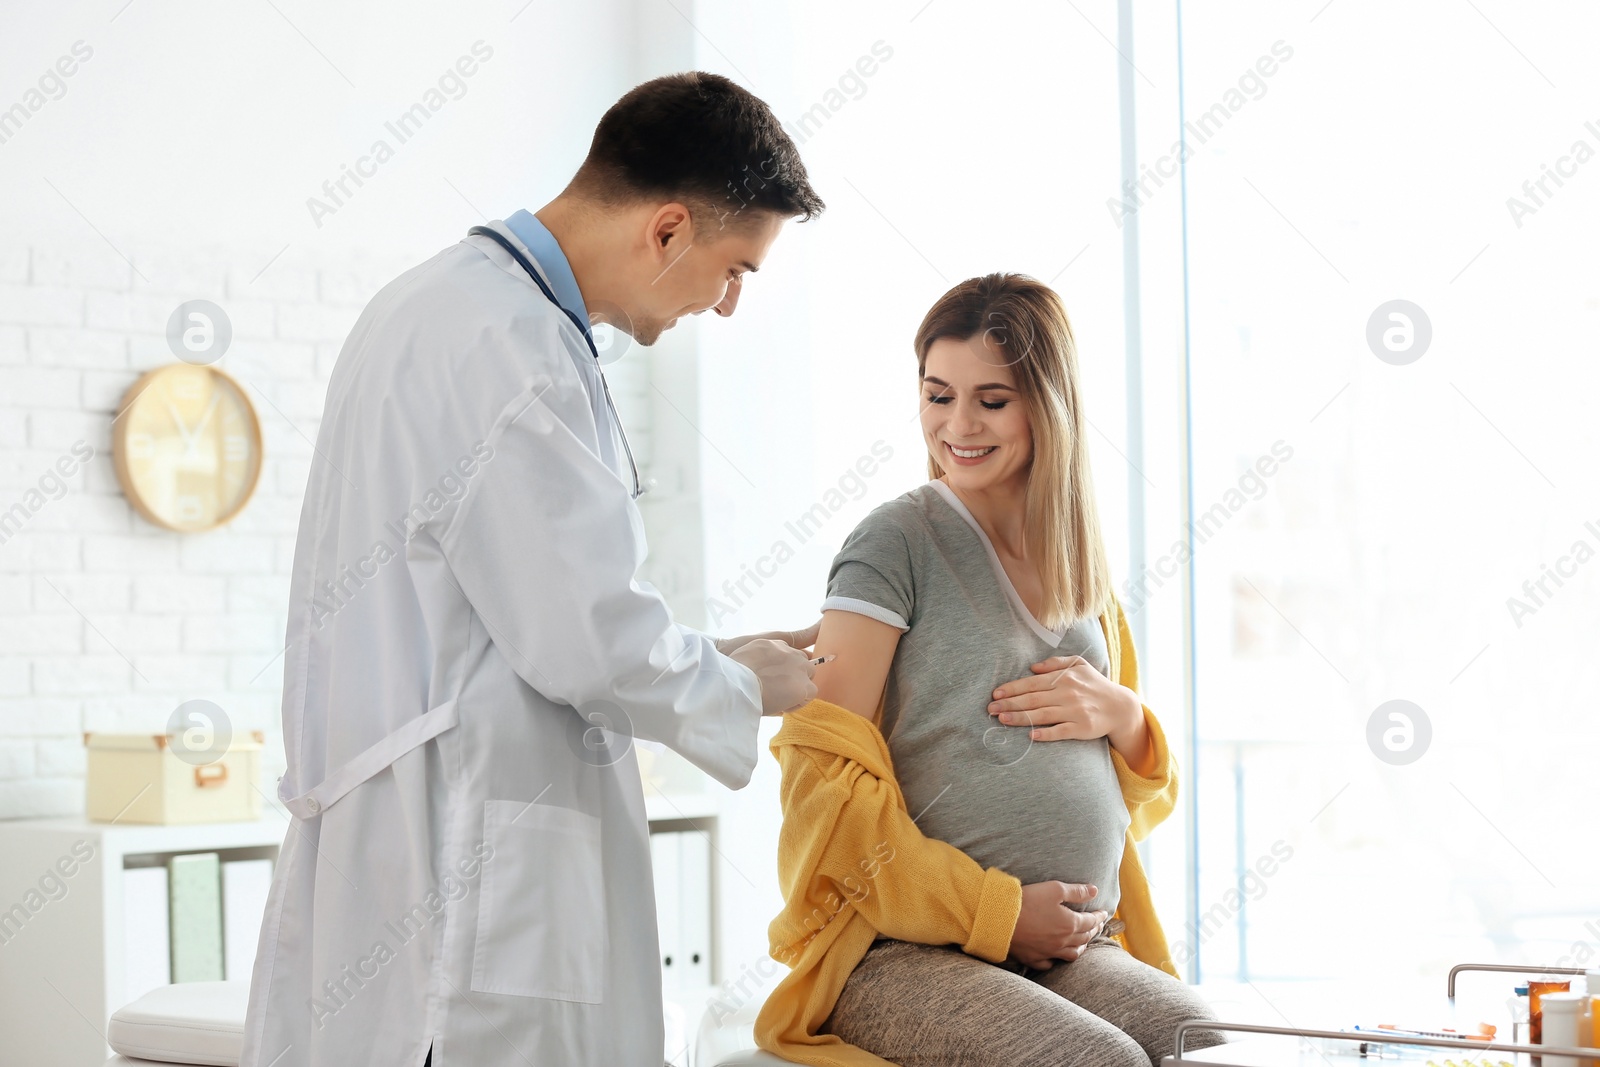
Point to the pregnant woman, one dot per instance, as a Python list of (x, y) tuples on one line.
[(961, 801)]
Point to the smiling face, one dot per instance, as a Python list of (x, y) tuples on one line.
[(974, 420), (697, 268)]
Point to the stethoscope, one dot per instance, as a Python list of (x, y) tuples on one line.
[(583, 328)]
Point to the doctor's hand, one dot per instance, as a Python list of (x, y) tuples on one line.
[(1048, 929), (783, 671), (793, 638), (1067, 698)]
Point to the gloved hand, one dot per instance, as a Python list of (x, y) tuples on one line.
[(783, 671), (793, 638)]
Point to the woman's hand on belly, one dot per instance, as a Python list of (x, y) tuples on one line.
[(1066, 698), (1048, 929)]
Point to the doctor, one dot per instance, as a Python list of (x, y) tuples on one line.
[(470, 656)]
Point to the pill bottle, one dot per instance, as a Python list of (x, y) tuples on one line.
[(1536, 992), (1561, 1012)]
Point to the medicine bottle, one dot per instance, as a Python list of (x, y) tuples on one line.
[(1561, 1013)]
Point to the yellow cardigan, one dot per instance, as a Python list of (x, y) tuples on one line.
[(852, 865)]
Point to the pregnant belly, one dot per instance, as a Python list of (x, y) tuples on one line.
[(1053, 813)]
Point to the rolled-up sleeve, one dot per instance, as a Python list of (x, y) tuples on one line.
[(872, 574)]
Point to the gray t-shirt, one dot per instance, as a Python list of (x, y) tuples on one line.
[(1038, 810)]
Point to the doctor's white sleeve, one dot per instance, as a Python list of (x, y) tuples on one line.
[(545, 546)]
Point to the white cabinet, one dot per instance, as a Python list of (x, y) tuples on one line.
[(683, 835), (68, 885), (63, 931)]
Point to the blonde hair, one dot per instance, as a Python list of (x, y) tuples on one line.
[(1025, 321)]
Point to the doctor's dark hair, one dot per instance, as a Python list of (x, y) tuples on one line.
[(699, 138), (1015, 321)]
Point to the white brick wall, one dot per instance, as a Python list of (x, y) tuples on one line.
[(106, 622)]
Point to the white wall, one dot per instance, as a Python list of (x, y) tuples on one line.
[(106, 622), (201, 124), (176, 162)]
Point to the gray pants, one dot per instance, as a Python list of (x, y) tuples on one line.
[(936, 1006)]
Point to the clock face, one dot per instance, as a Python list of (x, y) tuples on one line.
[(188, 447)]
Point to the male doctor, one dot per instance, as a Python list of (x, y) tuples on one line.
[(467, 869)]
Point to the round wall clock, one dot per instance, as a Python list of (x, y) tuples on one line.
[(187, 447)]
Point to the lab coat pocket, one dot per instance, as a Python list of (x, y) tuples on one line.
[(541, 921)]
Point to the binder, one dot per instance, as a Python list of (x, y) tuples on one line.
[(245, 885), (664, 860), (146, 952), (694, 904), (194, 886)]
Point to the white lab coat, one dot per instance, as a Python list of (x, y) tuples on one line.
[(469, 863)]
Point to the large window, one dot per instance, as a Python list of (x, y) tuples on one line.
[(1392, 318)]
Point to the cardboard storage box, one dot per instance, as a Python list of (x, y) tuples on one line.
[(138, 778)]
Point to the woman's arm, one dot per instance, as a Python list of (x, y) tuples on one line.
[(865, 647), (914, 902)]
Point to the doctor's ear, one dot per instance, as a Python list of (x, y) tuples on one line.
[(672, 228)]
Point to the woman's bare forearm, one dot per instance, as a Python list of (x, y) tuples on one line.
[(1132, 738)]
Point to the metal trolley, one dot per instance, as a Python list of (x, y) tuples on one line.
[(1328, 1054)]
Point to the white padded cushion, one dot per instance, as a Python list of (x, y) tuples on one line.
[(753, 1057), (729, 1040), (196, 1022)]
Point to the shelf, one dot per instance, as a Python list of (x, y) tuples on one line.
[(128, 839), (62, 968)]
